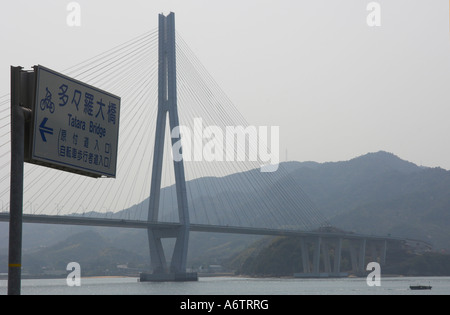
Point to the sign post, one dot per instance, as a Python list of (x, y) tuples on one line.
[(58, 122), (16, 189)]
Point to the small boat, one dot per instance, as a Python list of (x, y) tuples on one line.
[(420, 287)]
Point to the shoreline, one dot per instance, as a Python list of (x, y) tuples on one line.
[(222, 275)]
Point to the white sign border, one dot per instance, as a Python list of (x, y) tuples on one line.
[(58, 164)]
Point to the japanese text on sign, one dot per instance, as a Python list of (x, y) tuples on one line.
[(75, 125)]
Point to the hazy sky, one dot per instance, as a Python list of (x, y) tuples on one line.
[(336, 87)]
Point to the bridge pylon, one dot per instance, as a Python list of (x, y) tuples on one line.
[(167, 105)]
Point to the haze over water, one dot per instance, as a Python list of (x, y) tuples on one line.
[(234, 286)]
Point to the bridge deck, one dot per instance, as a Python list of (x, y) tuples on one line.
[(135, 224)]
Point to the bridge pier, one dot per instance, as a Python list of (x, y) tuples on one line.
[(321, 248), (378, 251), (383, 253), (305, 256), (160, 269), (337, 256), (316, 255), (158, 259), (357, 255), (363, 251), (327, 255)]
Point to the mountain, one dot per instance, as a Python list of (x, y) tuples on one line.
[(95, 254), (376, 193), (382, 194), (251, 199), (420, 209), (337, 187)]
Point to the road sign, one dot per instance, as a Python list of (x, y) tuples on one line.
[(75, 125)]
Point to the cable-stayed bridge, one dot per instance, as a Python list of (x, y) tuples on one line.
[(216, 187)]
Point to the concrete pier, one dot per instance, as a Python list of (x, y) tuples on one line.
[(327, 255)]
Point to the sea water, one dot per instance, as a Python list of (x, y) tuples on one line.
[(233, 286)]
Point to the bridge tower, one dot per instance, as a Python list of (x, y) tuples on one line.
[(167, 105)]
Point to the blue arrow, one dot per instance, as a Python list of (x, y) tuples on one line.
[(44, 129)]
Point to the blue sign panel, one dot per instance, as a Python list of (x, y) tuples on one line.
[(75, 126)]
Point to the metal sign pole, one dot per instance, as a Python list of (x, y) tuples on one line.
[(33, 130), (16, 189)]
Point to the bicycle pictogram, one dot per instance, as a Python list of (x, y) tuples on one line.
[(47, 102)]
